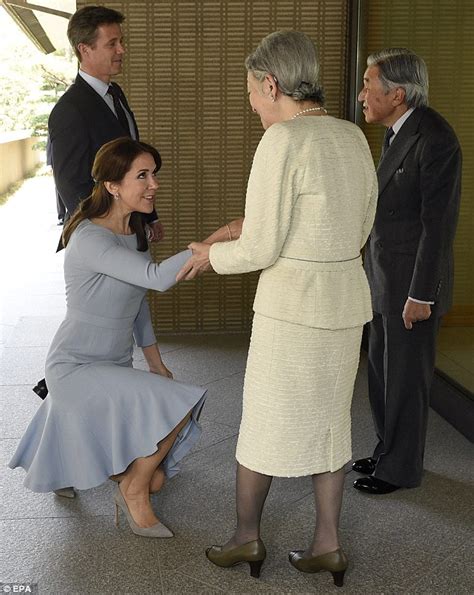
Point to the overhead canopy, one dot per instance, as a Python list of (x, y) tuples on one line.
[(44, 22)]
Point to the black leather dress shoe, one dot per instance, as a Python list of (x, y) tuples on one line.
[(365, 466), (374, 485)]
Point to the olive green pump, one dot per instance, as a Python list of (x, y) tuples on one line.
[(334, 562), (253, 552)]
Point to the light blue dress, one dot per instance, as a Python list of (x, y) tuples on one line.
[(101, 413)]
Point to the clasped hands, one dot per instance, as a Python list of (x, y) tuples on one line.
[(197, 264)]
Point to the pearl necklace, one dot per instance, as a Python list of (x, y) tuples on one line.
[(309, 109)]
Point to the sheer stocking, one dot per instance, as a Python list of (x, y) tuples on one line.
[(252, 490), (328, 489)]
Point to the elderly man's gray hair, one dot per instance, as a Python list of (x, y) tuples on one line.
[(400, 67)]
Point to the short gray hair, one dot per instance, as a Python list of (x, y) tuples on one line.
[(291, 57), (400, 67)]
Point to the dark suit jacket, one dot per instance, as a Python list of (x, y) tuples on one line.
[(409, 251), (79, 124)]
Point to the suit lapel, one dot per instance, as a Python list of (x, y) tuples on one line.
[(402, 143), (99, 104)]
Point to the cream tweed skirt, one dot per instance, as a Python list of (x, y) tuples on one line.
[(297, 398)]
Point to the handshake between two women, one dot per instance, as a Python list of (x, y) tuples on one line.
[(200, 262)]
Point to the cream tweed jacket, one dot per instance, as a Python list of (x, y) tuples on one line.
[(310, 206)]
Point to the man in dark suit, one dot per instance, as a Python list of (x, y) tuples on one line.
[(93, 110), (408, 261)]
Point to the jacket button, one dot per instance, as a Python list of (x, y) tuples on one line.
[(391, 212)]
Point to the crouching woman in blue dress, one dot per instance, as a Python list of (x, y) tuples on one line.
[(103, 418)]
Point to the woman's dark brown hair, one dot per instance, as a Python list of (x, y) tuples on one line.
[(112, 162)]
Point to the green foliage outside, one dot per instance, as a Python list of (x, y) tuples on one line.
[(30, 81), (55, 77)]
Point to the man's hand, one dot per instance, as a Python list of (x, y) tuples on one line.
[(197, 264), (154, 231), (415, 312)]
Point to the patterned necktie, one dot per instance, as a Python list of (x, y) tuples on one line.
[(386, 141), (122, 118)]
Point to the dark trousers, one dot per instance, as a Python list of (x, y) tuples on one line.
[(60, 207), (400, 372)]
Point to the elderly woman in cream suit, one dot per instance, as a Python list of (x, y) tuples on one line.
[(310, 206)]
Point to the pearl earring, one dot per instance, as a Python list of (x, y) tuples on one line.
[(116, 196), (272, 98)]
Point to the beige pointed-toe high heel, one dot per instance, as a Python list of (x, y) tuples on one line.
[(157, 530), (157, 481)]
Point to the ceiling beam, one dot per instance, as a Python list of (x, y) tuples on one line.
[(38, 7), (27, 21)]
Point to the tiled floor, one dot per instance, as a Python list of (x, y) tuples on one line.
[(417, 541)]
